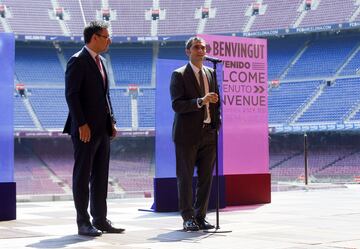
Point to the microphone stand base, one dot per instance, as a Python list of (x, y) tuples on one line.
[(217, 230)]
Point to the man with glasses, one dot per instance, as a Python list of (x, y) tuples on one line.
[(91, 125)]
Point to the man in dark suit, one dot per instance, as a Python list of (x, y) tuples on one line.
[(195, 101), (91, 124)]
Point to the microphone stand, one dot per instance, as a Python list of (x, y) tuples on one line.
[(217, 227)]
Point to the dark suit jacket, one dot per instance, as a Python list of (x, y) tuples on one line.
[(87, 97), (185, 91)]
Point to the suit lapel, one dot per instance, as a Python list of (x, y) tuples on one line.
[(95, 67), (91, 60)]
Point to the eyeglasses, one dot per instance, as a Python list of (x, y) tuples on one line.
[(103, 36)]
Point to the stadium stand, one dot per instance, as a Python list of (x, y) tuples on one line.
[(334, 103), (344, 169), (146, 107), (32, 19), (321, 162), (128, 19), (50, 107), (287, 98), (127, 60), (38, 64), (122, 108), (281, 52), (131, 64), (353, 66), (69, 49), (131, 18), (59, 164), (31, 175), (329, 154), (174, 51), (302, 63), (171, 26), (356, 117), (230, 16), (22, 119), (131, 166), (278, 14), (329, 12), (75, 23), (322, 58)]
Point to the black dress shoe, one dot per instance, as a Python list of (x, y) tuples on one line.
[(203, 224), (190, 225), (88, 230), (106, 227)]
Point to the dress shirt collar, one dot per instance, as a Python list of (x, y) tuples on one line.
[(195, 68), (92, 53)]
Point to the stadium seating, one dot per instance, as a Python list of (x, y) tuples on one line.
[(50, 106), (128, 60), (322, 58), (121, 106), (356, 117), (279, 14), (287, 98), (131, 18), (37, 63), (230, 16), (22, 119), (173, 51), (31, 175), (335, 163), (40, 169), (32, 19), (131, 64), (76, 22), (128, 19), (69, 49), (280, 53), (175, 11), (344, 169), (352, 68), (329, 12), (146, 108), (334, 103)]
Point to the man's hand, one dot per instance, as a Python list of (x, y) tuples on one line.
[(210, 98), (85, 133), (113, 135)]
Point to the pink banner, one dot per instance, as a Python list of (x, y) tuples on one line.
[(244, 102)]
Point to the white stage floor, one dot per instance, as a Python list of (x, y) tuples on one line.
[(314, 218)]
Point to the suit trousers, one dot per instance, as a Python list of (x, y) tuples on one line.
[(202, 155), (91, 167)]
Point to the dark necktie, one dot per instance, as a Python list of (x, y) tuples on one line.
[(202, 84), (202, 88), (98, 63)]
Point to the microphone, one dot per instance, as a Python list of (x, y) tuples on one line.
[(212, 59)]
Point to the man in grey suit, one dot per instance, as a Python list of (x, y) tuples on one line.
[(91, 124), (195, 101)]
